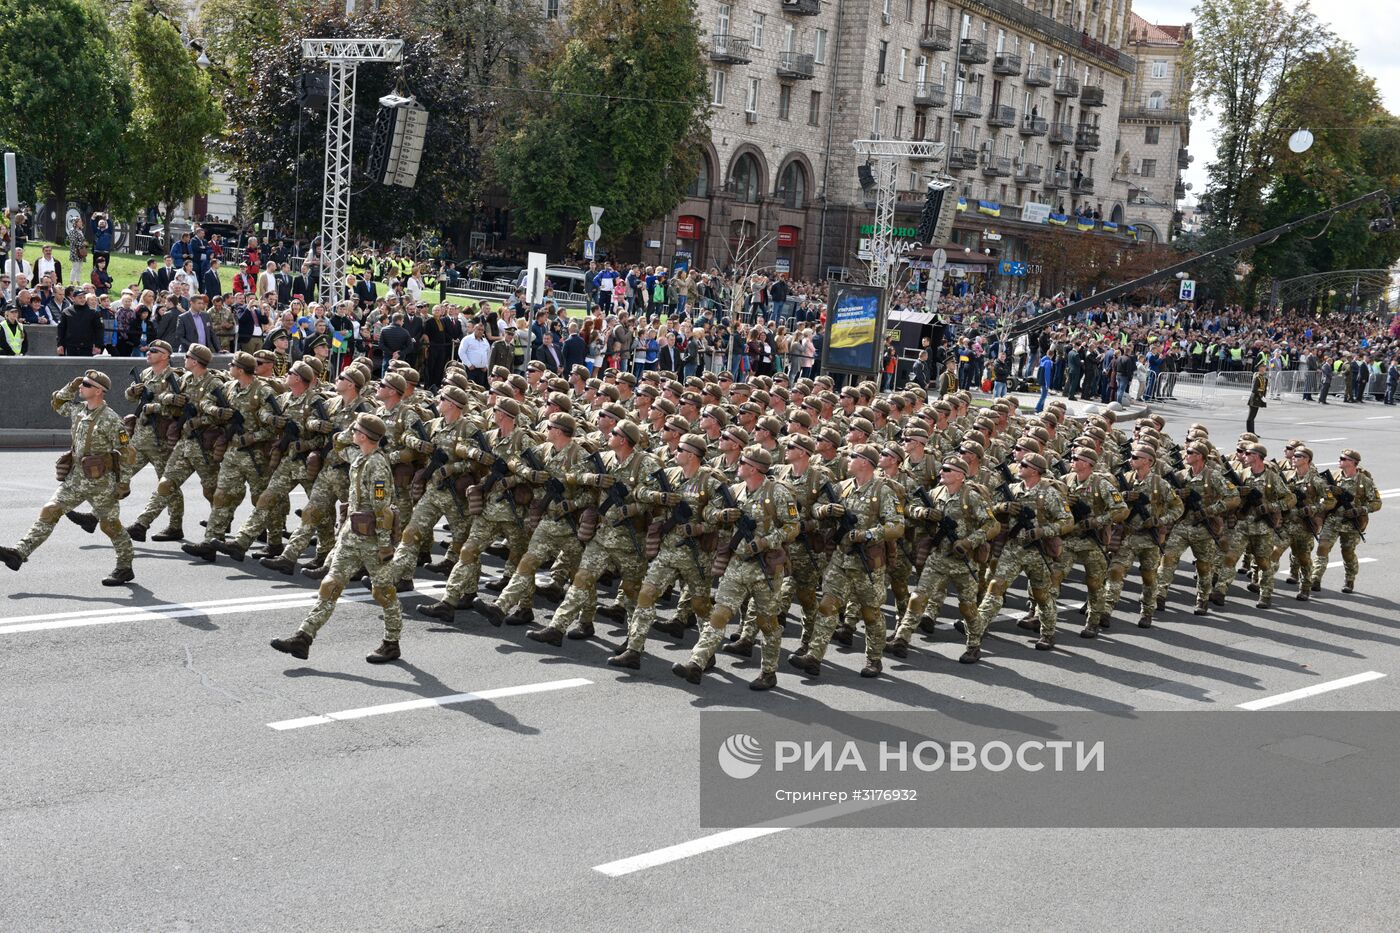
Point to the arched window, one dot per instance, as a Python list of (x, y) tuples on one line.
[(792, 185), (700, 186), (746, 178), (1116, 216), (1156, 101)]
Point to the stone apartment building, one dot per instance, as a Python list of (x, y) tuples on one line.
[(1155, 128), (1026, 95)]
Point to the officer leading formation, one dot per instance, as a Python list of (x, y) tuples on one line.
[(741, 498)]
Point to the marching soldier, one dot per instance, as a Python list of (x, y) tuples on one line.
[(1152, 508), (1206, 499), (155, 428), (1356, 495), (364, 542), (1095, 505), (1304, 523), (855, 576), (1264, 497), (95, 470), (765, 519)]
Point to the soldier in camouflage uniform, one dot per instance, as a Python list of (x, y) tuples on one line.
[(1094, 504), (681, 556), (245, 459), (959, 522), (1264, 497), (190, 454), (156, 431), (95, 470), (1303, 523), (497, 451), (856, 573), (1153, 506), (755, 567), (297, 410), (616, 544), (1034, 513), (555, 537), (364, 542), (1347, 521), (1206, 498)]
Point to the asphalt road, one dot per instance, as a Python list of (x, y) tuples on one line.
[(146, 787)]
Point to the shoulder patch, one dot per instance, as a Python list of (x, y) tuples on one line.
[(381, 489), (123, 437)]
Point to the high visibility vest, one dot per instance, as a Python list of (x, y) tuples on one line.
[(430, 281), (1236, 354)]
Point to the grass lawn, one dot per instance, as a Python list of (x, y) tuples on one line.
[(126, 268)]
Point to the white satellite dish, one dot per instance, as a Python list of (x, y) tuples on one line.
[(1300, 141)]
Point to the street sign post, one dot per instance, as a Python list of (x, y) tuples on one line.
[(1188, 290), (590, 249), (595, 233)]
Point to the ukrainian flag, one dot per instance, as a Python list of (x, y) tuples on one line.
[(962, 204), (990, 208), (1084, 226), (1130, 231), (338, 342), (1110, 227), (1058, 220)]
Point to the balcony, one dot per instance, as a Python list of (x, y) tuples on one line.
[(1183, 158), (1155, 110), (1035, 126), (1082, 184), (1029, 174), (1086, 139), (1058, 180), (1039, 76), (796, 65), (972, 52), (1002, 115), (1180, 191), (802, 7), (729, 49), (928, 94), (1066, 87), (936, 38), (966, 105), (1061, 134), (1006, 64), (997, 167), (962, 157), (1091, 96)]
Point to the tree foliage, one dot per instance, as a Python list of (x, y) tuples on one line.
[(174, 116), (618, 120), (266, 124), (65, 95)]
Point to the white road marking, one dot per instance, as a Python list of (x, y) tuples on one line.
[(1314, 690), (1380, 417), (1323, 440), (303, 599), (428, 703)]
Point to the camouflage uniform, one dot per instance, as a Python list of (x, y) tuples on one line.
[(501, 515), (155, 420), (946, 567), (1160, 507), (189, 455), (291, 470), (97, 432), (370, 491), (440, 497), (1101, 505), (1263, 497), (1344, 526), (1209, 496), (245, 461), (1048, 517), (332, 485), (1313, 501)]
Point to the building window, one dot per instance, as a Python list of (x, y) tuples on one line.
[(814, 109), (551, 9), (717, 89), (909, 11), (1159, 69), (899, 123), (784, 101), (876, 120), (700, 187), (1154, 135), (722, 29), (745, 180), (1149, 168), (751, 102), (758, 19), (819, 53), (789, 38), (792, 185), (1156, 101), (882, 60), (903, 63)]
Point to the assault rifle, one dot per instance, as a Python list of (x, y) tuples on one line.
[(744, 530), (553, 487), (147, 396), (1346, 500), (614, 495), (846, 526)]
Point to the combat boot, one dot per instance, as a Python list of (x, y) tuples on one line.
[(688, 671), (523, 616), (482, 608), (765, 681), (1145, 620), (1349, 586), (11, 558), (971, 655), (315, 573), (1028, 622), (404, 586), (1252, 586), (613, 611), (1217, 599), (806, 664), (897, 648), (1106, 621), (580, 630), (442, 568), (298, 646), (119, 576), (1202, 607), (928, 625), (83, 520), (1161, 603), (674, 628), (960, 627), (1264, 603), (205, 551), (232, 548), (632, 660), (1302, 594), (442, 609), (740, 648), (171, 533), (137, 531), (552, 590), (386, 652), (283, 564), (872, 669), (547, 636), (1045, 643), (845, 635), (273, 549), (1089, 631), (498, 584)]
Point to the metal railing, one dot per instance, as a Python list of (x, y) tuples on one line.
[(1002, 115), (929, 94), (1039, 76), (729, 48), (1017, 12), (936, 38)]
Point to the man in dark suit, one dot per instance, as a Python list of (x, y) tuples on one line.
[(151, 278), (306, 282), (80, 329), (194, 327), (575, 350), (667, 359), (211, 285), (549, 354), (365, 292), (166, 274), (394, 340), (283, 278)]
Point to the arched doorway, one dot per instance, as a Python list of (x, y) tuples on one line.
[(746, 178)]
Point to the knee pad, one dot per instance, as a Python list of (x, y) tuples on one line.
[(331, 588), (998, 588), (1116, 574), (1039, 595), (629, 589), (166, 488), (1149, 577), (528, 564), (223, 499), (871, 615), (209, 492), (111, 527), (768, 624), (383, 595), (720, 616), (646, 596), (311, 515), (968, 611), (267, 500), (470, 553), (828, 605), (701, 606), (412, 537), (583, 579), (51, 513), (807, 600)]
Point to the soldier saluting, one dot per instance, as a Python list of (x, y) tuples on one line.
[(94, 471)]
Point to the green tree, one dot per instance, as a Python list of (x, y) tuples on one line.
[(64, 95), (174, 117), (276, 148), (618, 118)]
